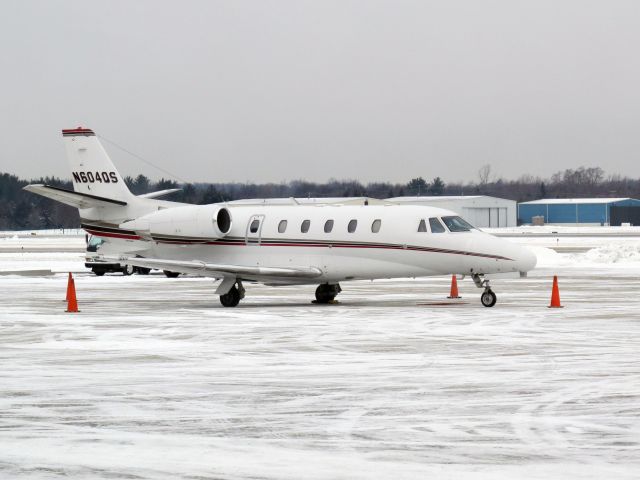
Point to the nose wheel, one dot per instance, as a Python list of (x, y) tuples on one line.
[(488, 298)]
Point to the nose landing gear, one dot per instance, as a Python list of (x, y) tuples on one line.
[(488, 298)]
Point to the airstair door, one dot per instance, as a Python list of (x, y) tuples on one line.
[(254, 230)]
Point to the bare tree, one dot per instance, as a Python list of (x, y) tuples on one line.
[(484, 174)]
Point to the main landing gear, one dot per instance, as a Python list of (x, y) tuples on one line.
[(488, 298), (326, 293), (233, 296)]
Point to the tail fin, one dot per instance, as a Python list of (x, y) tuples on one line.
[(91, 168)]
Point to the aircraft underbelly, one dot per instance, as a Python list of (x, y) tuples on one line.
[(335, 263)]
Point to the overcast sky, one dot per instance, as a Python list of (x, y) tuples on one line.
[(281, 90)]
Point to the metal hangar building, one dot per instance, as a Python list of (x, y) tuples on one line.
[(480, 210), (581, 211)]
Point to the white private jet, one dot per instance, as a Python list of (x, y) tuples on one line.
[(277, 244)]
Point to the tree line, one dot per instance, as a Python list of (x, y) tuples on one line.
[(24, 210)]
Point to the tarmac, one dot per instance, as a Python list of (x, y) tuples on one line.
[(155, 379)]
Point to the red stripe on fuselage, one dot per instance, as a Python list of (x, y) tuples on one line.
[(386, 247), (113, 235)]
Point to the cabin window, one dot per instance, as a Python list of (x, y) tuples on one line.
[(328, 226), (457, 224), (353, 224), (255, 225), (422, 226), (436, 226), (304, 228), (375, 226), (282, 226)]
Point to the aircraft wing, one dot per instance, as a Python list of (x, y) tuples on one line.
[(75, 199), (220, 270)]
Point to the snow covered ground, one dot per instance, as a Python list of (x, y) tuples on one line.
[(52, 232), (154, 379), (52, 241), (57, 262), (565, 230)]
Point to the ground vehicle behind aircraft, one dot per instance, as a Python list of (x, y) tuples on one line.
[(100, 249), (95, 260)]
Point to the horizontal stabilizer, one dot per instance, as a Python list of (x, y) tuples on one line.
[(75, 199), (160, 193), (219, 270)]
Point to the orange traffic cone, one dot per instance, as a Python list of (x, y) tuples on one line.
[(555, 294), (68, 288), (72, 303), (454, 288)]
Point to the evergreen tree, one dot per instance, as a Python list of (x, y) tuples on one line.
[(418, 186), (141, 185), (437, 187)]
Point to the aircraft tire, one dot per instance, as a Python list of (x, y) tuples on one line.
[(326, 293), (488, 298), (231, 298)]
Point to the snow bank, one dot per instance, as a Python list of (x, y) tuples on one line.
[(619, 254), (614, 253), (548, 257)]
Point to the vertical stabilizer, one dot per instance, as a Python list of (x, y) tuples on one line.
[(92, 171)]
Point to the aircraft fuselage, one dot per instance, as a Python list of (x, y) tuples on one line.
[(363, 242)]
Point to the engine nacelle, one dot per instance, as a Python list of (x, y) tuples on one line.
[(192, 221)]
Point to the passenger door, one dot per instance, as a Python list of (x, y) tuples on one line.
[(254, 230)]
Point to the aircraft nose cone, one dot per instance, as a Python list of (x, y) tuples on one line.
[(526, 260)]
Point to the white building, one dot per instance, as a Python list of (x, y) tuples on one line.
[(479, 210)]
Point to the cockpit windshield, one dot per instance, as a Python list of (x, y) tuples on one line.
[(457, 224)]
